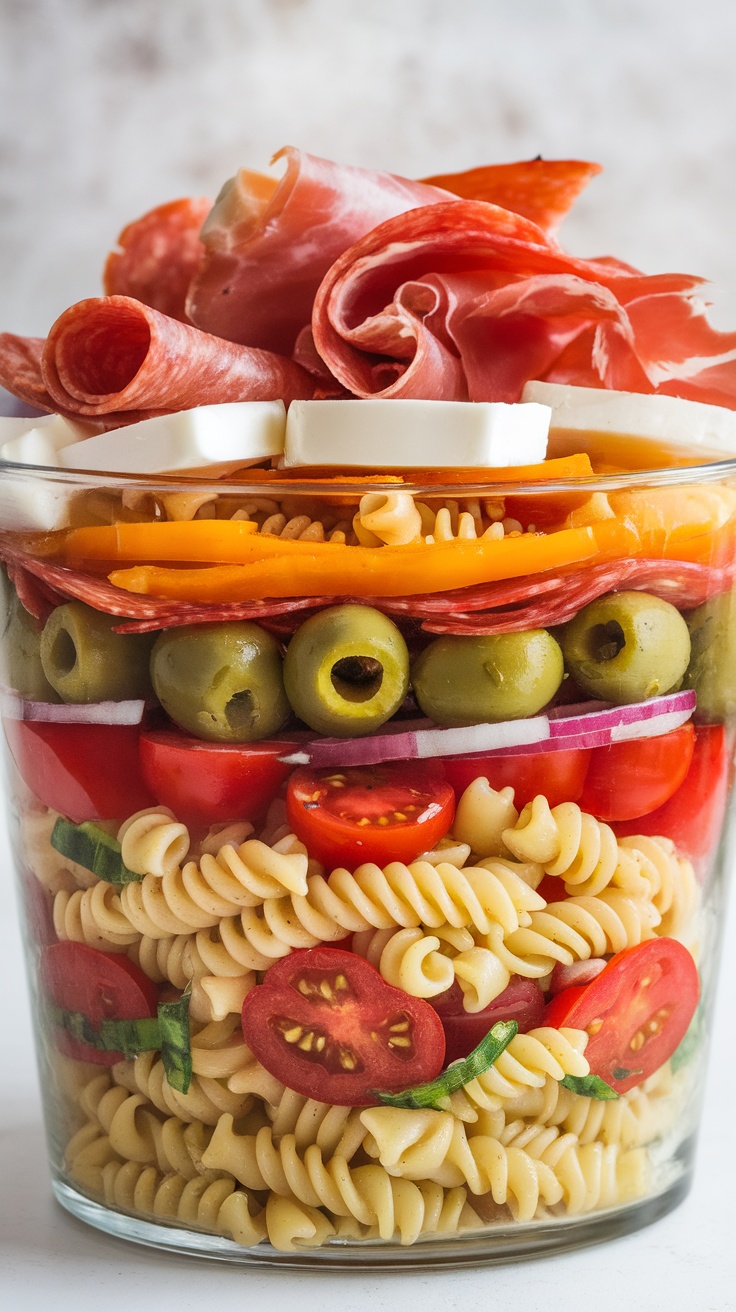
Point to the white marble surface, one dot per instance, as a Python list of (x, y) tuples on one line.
[(107, 108)]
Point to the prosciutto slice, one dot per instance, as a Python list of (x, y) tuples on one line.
[(114, 356), (543, 190), (269, 242), (467, 300), (159, 255)]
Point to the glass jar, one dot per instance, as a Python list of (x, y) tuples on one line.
[(317, 788)]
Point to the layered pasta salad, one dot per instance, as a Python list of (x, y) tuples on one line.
[(368, 695)]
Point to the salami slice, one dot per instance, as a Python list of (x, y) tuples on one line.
[(20, 370), (269, 242), (543, 190), (159, 255), (115, 356)]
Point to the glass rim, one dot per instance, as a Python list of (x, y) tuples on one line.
[(360, 485)]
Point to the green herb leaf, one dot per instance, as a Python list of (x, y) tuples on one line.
[(176, 1048), (691, 1042), (92, 847), (590, 1086), (127, 1036), (459, 1073)]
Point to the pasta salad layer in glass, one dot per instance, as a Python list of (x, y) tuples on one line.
[(368, 695)]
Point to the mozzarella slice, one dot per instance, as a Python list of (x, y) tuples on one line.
[(37, 441), (234, 433), (415, 434), (29, 502), (667, 419)]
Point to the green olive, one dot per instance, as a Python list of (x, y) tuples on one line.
[(85, 661), (712, 668), (222, 682), (475, 680), (626, 647), (346, 671), (20, 662)]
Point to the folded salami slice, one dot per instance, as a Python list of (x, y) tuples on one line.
[(465, 299), (269, 243), (20, 370), (543, 190), (115, 356), (159, 255)]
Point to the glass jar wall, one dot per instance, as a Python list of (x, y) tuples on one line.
[(371, 840)]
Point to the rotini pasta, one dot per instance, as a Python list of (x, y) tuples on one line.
[(366, 1193), (153, 842), (576, 929)]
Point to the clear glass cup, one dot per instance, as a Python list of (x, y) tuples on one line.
[(161, 877)]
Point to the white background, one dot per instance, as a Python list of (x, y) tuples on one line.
[(110, 106)]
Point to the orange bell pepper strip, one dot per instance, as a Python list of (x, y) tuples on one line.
[(292, 569), (559, 467), (205, 540)]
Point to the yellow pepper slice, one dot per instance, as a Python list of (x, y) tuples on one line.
[(293, 569)]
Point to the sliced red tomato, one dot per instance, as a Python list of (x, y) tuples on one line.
[(522, 1001), (378, 813), (85, 771), (630, 779), (693, 816), (558, 775), (206, 783), (99, 985), (636, 1011), (329, 1027)]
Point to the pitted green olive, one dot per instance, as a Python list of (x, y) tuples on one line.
[(626, 647), (505, 676), (85, 661), (20, 665), (712, 668), (222, 682), (346, 671)]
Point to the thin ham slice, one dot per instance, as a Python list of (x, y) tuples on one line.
[(465, 299), (269, 242), (114, 356), (159, 255), (543, 190)]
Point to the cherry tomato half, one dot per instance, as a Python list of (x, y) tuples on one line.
[(636, 1011), (558, 775), (85, 771), (522, 1001), (205, 783), (693, 816), (378, 813), (100, 985), (329, 1027), (629, 779)]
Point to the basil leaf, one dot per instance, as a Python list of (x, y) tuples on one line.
[(590, 1086), (92, 847), (693, 1038), (127, 1036), (458, 1074), (176, 1048)]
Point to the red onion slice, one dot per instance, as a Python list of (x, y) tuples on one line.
[(594, 728), (14, 707)]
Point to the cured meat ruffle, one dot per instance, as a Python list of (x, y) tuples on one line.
[(465, 299), (114, 356), (506, 606), (158, 256), (270, 241), (542, 190), (20, 370)]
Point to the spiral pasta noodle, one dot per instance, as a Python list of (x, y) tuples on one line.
[(632, 1120), (366, 1193), (198, 896), (425, 964), (153, 842), (576, 929), (93, 916), (205, 1100), (335, 1130)]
